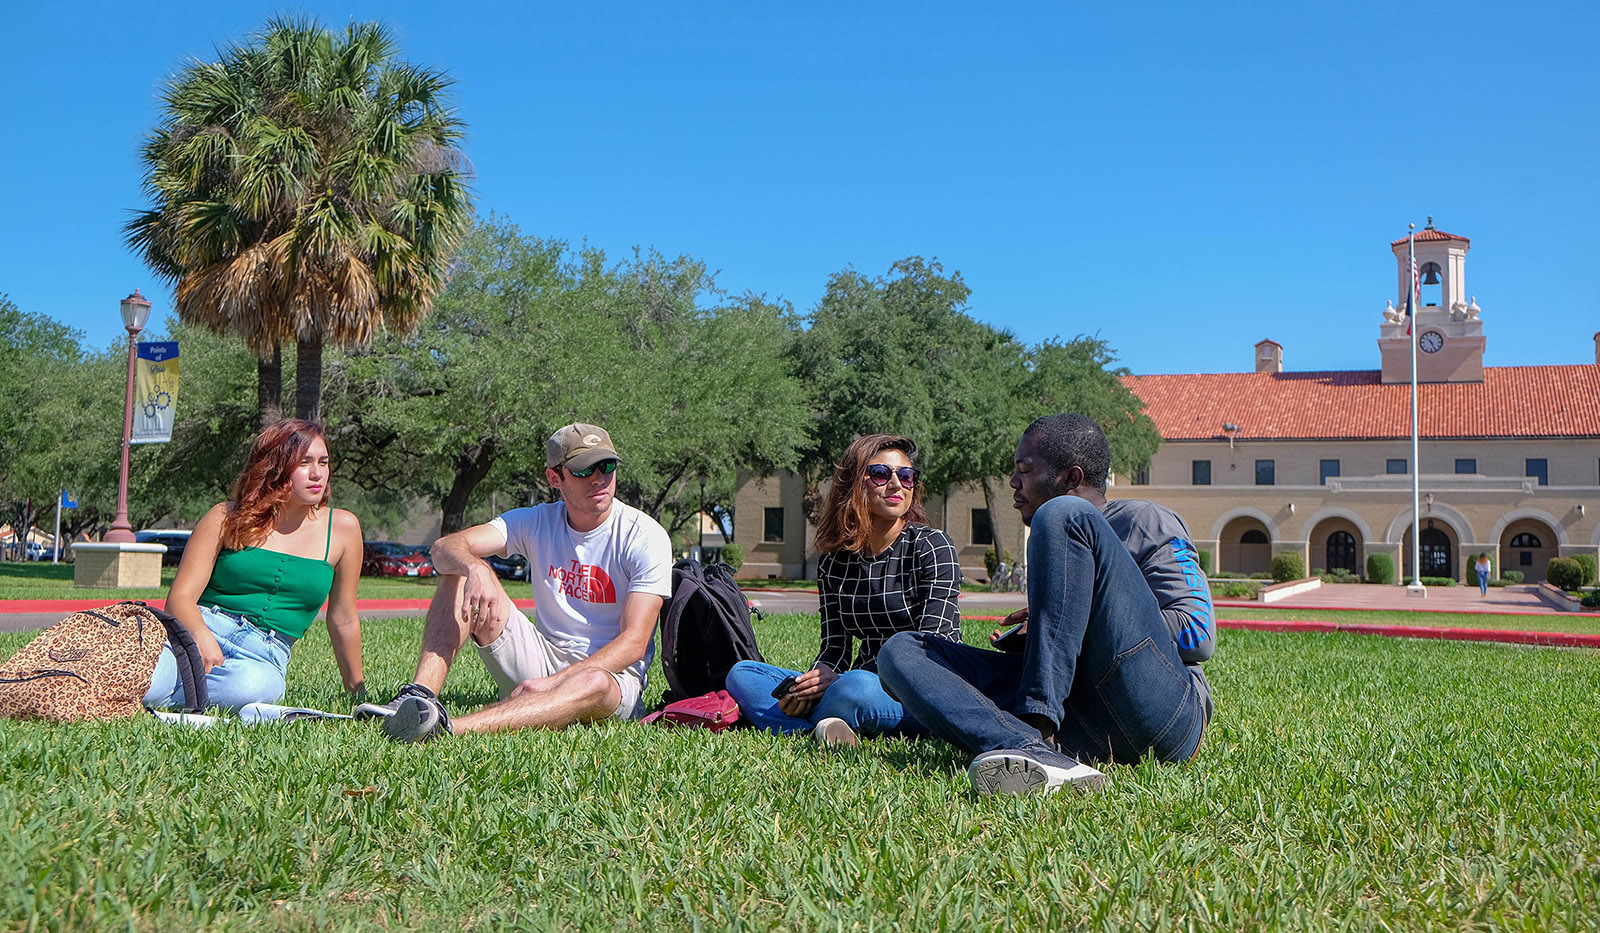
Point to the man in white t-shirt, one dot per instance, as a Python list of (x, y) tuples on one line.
[(600, 570)]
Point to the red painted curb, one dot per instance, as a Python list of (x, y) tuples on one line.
[(73, 605), (1251, 604), (1507, 636)]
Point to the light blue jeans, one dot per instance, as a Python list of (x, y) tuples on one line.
[(254, 663), (857, 697)]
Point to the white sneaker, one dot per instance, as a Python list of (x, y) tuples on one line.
[(1031, 771), (834, 731)]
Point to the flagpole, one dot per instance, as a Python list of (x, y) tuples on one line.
[(55, 558), (1416, 587)]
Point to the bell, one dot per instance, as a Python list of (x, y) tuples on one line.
[(1431, 275)]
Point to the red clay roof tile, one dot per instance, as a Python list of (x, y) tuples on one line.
[(1426, 235), (1512, 401)]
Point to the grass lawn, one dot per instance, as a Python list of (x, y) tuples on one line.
[(54, 581), (1347, 783)]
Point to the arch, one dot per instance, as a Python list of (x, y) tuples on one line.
[(1348, 515), (1244, 511), (1458, 523), (1527, 545), (1440, 548), (1244, 546), (1539, 515)]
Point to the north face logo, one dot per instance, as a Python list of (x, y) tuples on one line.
[(586, 582)]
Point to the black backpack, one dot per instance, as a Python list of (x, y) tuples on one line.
[(705, 629)]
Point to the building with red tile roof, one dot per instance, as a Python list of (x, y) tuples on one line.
[(1320, 462)]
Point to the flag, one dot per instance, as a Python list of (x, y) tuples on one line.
[(155, 395), (67, 502)]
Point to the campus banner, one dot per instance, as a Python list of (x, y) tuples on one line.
[(155, 392)]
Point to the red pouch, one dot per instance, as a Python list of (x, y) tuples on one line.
[(715, 711)]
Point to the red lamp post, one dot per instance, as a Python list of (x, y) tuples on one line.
[(135, 312)]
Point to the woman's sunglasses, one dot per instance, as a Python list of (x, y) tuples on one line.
[(879, 473), (607, 467)]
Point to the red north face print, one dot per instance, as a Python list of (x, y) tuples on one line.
[(587, 582)]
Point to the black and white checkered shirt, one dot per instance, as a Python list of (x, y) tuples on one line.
[(910, 587)]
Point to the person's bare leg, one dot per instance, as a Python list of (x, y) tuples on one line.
[(554, 702), (444, 632)]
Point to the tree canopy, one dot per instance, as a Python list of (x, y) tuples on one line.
[(307, 188)]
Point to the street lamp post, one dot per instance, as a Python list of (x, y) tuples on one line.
[(135, 312)]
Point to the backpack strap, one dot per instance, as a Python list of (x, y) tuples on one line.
[(186, 651), (687, 576)]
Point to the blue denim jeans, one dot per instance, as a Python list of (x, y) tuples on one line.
[(252, 670), (857, 697), (1099, 662)]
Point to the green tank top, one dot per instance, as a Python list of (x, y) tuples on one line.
[(281, 592)]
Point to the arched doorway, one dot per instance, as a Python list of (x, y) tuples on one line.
[(1335, 544), (1439, 547), (1341, 551), (1244, 548), (1527, 545)]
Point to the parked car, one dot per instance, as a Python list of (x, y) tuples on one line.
[(514, 567), (37, 551), (175, 540), (392, 559)]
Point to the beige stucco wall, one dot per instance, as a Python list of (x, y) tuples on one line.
[(1480, 512)]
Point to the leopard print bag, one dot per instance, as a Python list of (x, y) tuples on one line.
[(97, 664)]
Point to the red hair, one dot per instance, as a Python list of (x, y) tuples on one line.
[(263, 485), (846, 521)]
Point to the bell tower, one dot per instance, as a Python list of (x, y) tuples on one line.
[(1449, 334)]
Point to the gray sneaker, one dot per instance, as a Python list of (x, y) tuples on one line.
[(834, 731), (417, 719), (385, 710), (1031, 771)]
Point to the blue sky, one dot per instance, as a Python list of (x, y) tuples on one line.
[(1181, 180)]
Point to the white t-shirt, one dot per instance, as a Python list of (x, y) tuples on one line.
[(580, 579)]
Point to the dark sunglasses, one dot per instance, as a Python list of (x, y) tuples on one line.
[(607, 467), (879, 473)]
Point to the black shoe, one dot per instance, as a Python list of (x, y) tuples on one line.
[(1031, 771), (385, 710)]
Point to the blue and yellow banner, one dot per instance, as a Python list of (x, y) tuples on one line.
[(155, 392)]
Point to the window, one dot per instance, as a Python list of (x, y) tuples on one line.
[(1526, 540), (1540, 467), (1200, 472), (1254, 537), (773, 530), (1395, 465), (982, 531), (1328, 470), (1266, 472), (1466, 465), (1341, 551), (1141, 476)]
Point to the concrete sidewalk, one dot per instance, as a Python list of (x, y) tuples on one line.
[(1521, 598)]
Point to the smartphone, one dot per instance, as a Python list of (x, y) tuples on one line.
[(783, 687), (1012, 639)]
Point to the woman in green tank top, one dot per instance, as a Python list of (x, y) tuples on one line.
[(259, 566)]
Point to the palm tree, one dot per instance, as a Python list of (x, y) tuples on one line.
[(308, 188)]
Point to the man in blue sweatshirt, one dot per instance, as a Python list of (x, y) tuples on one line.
[(1118, 620)]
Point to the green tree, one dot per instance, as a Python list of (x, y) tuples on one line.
[(1078, 375), (307, 188), (39, 359)]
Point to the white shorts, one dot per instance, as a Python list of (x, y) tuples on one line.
[(523, 653)]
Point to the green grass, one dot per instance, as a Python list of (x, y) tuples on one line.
[(36, 580), (1542, 622), (1347, 783)]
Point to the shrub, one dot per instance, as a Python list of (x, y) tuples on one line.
[(1500, 582), (1438, 581), (1515, 576), (1237, 590), (1286, 566), (1380, 568), (733, 556), (1590, 565), (992, 559), (1564, 572), (1591, 599), (1204, 558), (1259, 576), (1339, 575)]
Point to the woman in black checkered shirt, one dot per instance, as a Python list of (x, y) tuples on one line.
[(883, 571)]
